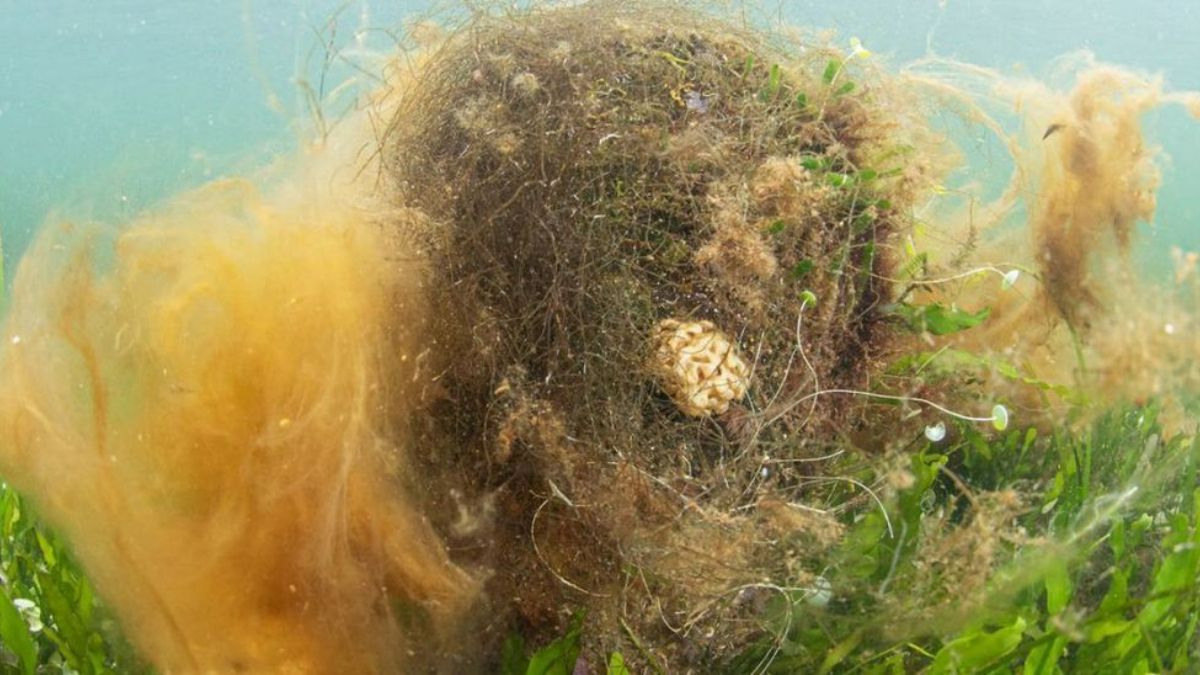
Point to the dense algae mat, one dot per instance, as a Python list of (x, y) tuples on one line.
[(653, 234), (618, 310), (616, 189), (670, 255)]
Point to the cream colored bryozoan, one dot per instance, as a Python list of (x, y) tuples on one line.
[(698, 366)]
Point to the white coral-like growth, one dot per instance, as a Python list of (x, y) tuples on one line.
[(698, 366)]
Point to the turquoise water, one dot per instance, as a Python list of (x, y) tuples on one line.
[(106, 108)]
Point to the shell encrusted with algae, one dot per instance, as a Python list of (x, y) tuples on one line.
[(698, 366)]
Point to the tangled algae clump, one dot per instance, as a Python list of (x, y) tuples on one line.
[(592, 173)]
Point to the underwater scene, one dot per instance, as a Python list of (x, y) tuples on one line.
[(597, 337)]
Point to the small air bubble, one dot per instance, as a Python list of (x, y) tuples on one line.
[(821, 592), (1000, 417), (696, 102), (935, 432), (1010, 279), (16, 339)]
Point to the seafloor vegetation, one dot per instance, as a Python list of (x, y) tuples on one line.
[(622, 337), (1080, 551)]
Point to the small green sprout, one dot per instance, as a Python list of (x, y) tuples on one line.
[(831, 71), (834, 67), (801, 270), (857, 50), (774, 81), (938, 319), (815, 163), (837, 179)]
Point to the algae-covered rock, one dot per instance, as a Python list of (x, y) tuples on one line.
[(594, 173)]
